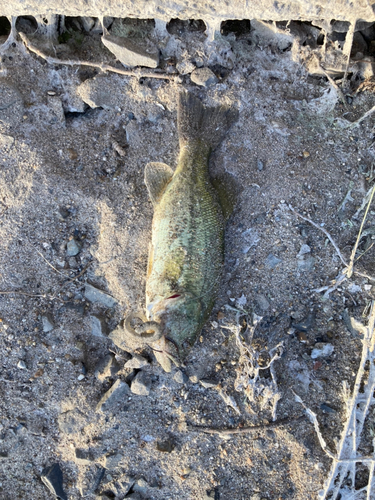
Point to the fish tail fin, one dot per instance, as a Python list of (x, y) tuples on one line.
[(209, 125)]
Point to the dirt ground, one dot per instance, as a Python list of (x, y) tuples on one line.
[(74, 144)]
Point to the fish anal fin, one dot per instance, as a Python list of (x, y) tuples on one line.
[(157, 177), (227, 190)]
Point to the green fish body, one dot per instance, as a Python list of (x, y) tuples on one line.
[(187, 250)]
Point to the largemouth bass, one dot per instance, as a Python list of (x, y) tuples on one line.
[(187, 250)]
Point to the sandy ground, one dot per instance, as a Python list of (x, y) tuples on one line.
[(74, 173)]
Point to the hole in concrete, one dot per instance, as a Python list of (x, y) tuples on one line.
[(26, 24), (132, 28), (4, 26), (45, 20), (235, 26), (179, 27), (320, 39)]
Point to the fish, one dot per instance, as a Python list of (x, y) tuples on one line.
[(186, 253)]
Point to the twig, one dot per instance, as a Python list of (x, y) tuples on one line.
[(352, 257), (335, 86), (357, 122), (19, 292), (54, 268), (307, 219), (244, 430), (102, 67)]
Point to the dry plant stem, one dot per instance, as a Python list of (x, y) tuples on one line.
[(54, 268), (245, 430), (352, 257), (102, 67), (360, 120), (357, 410), (307, 219), (335, 86), (22, 293)]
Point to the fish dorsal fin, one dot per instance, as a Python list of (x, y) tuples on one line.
[(227, 190), (157, 176)]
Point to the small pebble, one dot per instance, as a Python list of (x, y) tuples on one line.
[(203, 77), (260, 165), (180, 377), (326, 408), (208, 384), (21, 365), (52, 477), (141, 384), (136, 362), (73, 248), (47, 322), (80, 377), (301, 336), (322, 350), (194, 379), (306, 154), (166, 446)]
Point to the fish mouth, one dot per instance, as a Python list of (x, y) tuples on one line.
[(146, 332)]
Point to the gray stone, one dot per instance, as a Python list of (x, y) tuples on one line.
[(119, 338), (203, 77), (83, 456), (99, 327), (262, 302), (322, 350), (116, 394), (194, 379), (52, 477), (272, 261), (55, 113), (180, 377), (21, 365), (106, 367), (208, 384), (73, 247), (11, 108), (260, 165), (141, 384), (306, 264), (113, 461), (185, 67), (47, 322), (131, 54), (95, 295), (103, 91), (304, 250), (136, 362)]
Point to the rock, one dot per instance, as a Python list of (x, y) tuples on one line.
[(47, 322), (306, 324), (304, 250), (326, 408), (203, 77), (12, 107), (208, 384), (301, 336), (262, 302), (106, 367), (119, 338), (70, 422), (99, 326), (185, 67), (306, 264), (136, 362), (73, 264), (116, 394), (272, 261), (180, 377), (95, 295), (194, 379), (52, 477), (55, 113), (166, 446), (141, 384), (131, 54), (73, 247), (102, 91), (83, 456), (113, 461), (322, 350), (141, 486), (21, 365), (260, 165)]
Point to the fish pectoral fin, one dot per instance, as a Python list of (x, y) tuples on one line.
[(227, 189), (157, 177)]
